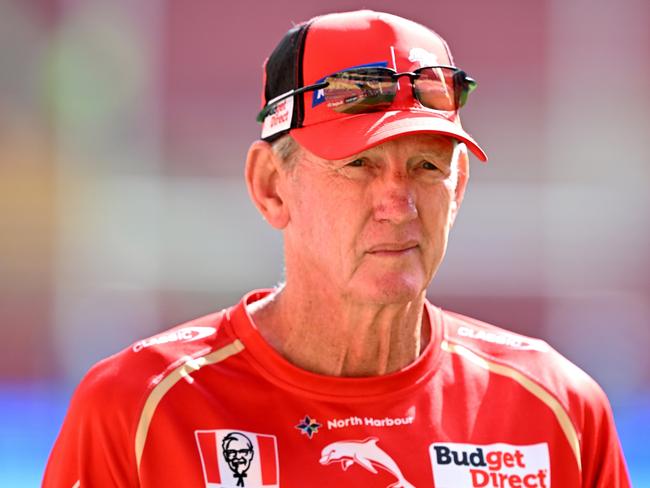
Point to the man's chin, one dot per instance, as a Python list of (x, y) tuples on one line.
[(391, 291)]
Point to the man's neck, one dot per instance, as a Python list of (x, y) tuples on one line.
[(336, 337)]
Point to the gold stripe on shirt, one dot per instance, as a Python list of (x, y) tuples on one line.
[(531, 386), (184, 371)]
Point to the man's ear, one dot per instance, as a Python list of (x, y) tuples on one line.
[(263, 179), (463, 177)]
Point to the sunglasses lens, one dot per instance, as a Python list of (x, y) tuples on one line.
[(438, 89), (360, 91), (468, 85)]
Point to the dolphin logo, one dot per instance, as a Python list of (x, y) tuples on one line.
[(366, 454)]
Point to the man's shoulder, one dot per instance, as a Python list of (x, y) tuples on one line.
[(133, 372), (491, 340), (112, 407), (531, 362)]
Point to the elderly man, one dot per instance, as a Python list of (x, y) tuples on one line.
[(345, 375)]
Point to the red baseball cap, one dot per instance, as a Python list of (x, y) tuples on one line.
[(327, 44)]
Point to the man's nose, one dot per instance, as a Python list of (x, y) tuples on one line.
[(394, 198)]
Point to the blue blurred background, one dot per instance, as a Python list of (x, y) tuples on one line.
[(124, 127)]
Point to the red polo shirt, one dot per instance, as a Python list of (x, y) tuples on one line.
[(210, 404)]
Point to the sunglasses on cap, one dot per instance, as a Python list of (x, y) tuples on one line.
[(363, 90)]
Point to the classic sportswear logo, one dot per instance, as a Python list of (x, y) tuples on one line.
[(490, 465), (510, 340), (186, 334), (235, 459), (366, 454)]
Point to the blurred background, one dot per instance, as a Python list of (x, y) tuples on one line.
[(123, 131)]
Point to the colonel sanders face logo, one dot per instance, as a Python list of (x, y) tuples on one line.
[(238, 451)]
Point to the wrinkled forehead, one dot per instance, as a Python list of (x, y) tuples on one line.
[(370, 39)]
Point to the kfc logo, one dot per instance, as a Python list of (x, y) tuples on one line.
[(238, 459), (365, 454), (238, 452)]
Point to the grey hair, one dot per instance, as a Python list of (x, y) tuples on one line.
[(286, 148)]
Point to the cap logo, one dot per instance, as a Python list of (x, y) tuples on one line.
[(424, 57), (279, 120)]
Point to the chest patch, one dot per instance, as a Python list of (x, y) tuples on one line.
[(490, 465), (232, 459)]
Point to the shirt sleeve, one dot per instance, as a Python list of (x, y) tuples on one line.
[(95, 445), (602, 456)]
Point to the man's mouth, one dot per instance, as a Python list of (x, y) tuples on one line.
[(393, 249)]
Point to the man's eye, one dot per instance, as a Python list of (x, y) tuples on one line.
[(357, 163), (429, 165)]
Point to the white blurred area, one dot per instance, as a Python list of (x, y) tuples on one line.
[(148, 221)]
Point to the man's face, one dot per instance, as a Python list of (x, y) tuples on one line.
[(238, 454), (373, 227)]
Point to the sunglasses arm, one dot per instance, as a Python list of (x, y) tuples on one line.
[(271, 104)]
